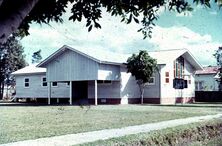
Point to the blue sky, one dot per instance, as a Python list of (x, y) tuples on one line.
[(199, 31)]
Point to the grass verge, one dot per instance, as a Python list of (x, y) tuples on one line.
[(198, 134), (31, 122)]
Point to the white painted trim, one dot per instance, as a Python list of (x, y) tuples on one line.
[(43, 82), (54, 86), (70, 93), (96, 100), (49, 93)]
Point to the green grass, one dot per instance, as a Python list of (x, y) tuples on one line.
[(196, 134), (31, 122), (215, 142)]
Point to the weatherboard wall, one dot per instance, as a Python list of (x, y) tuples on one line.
[(71, 66), (36, 90), (104, 91), (129, 88), (208, 82), (109, 72)]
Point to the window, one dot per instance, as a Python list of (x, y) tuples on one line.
[(199, 85), (151, 81), (68, 84), (167, 80), (189, 79), (179, 68), (104, 82), (167, 75), (44, 82), (54, 84), (26, 82)]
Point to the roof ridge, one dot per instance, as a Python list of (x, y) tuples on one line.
[(169, 50)]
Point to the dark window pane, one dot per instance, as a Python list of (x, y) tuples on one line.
[(54, 83), (100, 81), (26, 84), (107, 82), (44, 84), (44, 79), (26, 79), (151, 80), (167, 74)]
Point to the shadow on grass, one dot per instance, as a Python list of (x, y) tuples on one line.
[(12, 104), (198, 105)]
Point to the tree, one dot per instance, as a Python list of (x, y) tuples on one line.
[(36, 57), (142, 67), (16, 14), (218, 56), (11, 59)]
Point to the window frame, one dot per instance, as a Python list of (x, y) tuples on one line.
[(26, 82), (179, 64), (44, 81), (67, 84), (54, 85), (167, 77), (152, 83)]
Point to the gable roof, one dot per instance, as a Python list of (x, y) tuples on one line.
[(208, 70), (31, 69), (105, 57), (167, 56), (96, 55)]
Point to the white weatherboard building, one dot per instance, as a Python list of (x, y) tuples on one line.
[(101, 78), (206, 79)]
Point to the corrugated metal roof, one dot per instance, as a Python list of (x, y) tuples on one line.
[(208, 70), (31, 69)]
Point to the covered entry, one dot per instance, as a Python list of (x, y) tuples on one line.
[(79, 91)]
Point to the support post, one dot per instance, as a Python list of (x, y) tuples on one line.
[(70, 92), (96, 102), (57, 100), (49, 92)]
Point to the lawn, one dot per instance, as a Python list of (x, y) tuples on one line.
[(31, 122), (206, 133)]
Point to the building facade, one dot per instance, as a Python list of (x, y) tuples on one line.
[(81, 76)]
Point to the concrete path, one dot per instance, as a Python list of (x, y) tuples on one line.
[(80, 138)]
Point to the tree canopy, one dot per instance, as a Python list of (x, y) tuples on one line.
[(20, 13), (11, 59), (142, 67), (218, 56), (36, 56)]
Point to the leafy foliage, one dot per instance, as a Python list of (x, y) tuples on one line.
[(36, 57), (11, 59), (218, 56), (139, 11), (142, 67)]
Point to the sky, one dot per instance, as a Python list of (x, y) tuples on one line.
[(198, 31)]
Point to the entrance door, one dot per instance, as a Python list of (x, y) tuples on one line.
[(79, 90)]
